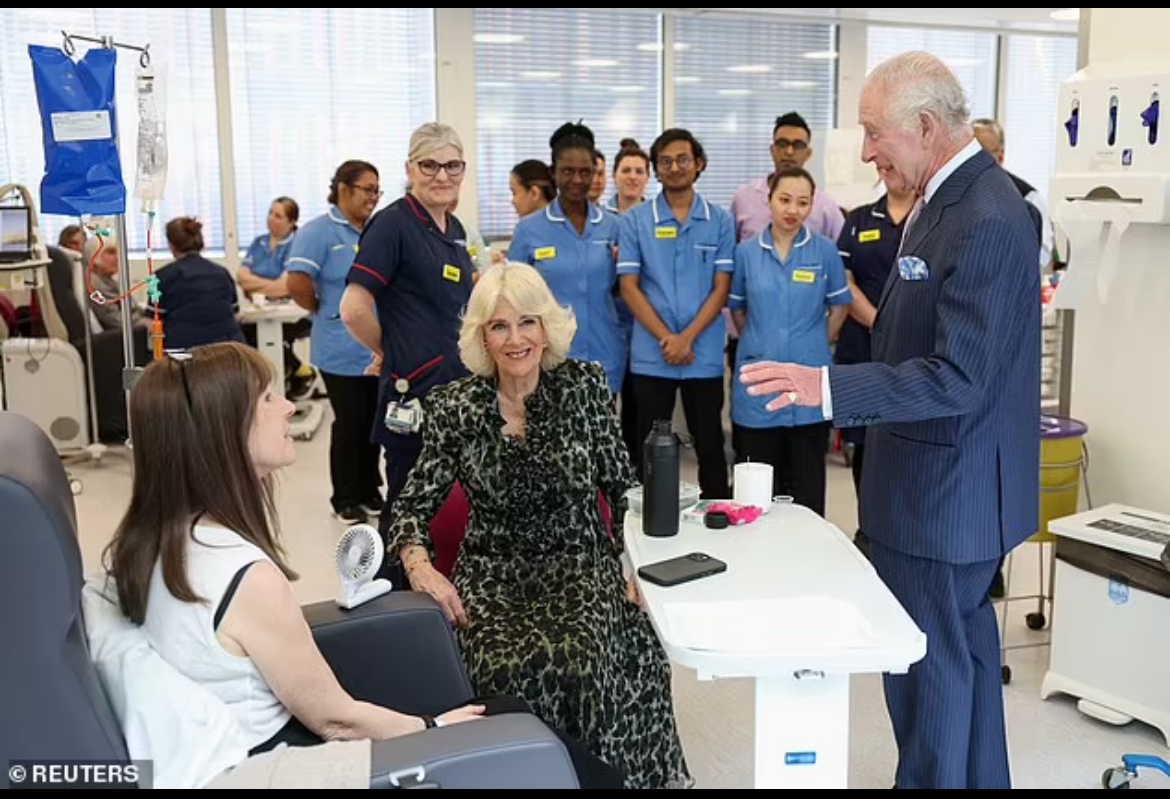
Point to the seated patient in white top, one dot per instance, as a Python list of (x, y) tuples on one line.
[(209, 431)]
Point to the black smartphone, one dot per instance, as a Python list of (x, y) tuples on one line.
[(682, 569)]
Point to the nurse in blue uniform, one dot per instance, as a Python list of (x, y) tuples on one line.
[(676, 255), (786, 279), (318, 266), (262, 271), (631, 173), (572, 243)]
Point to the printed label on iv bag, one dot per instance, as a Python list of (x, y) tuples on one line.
[(81, 126)]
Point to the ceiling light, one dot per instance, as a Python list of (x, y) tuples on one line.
[(541, 75), (688, 79), (498, 38), (798, 84), (1066, 14), (750, 68), (650, 47), (680, 46), (627, 89), (596, 62), (736, 92), (821, 55), (494, 84)]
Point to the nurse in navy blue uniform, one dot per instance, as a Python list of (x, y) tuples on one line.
[(676, 255), (405, 296), (573, 243), (786, 279), (869, 246)]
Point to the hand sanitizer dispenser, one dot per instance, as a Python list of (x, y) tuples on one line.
[(1112, 153)]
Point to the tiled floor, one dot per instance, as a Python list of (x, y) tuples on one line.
[(1052, 745)]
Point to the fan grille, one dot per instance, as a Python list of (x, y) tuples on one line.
[(358, 552)]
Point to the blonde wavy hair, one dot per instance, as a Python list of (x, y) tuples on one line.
[(525, 290)]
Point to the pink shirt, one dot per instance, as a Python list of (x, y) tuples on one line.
[(750, 210)]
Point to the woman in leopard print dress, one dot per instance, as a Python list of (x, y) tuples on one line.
[(537, 595)]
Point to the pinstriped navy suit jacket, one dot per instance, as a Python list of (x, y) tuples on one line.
[(953, 393)]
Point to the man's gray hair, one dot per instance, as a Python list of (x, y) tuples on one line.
[(916, 83)]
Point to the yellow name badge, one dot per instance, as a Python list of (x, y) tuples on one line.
[(451, 273), (666, 232), (804, 276), (867, 236), (545, 253)]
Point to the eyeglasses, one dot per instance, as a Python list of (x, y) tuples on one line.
[(373, 191), (797, 146), (682, 162), (181, 357), (430, 167)]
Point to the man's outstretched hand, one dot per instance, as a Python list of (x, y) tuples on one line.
[(795, 384)]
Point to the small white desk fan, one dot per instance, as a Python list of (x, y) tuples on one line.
[(359, 556)]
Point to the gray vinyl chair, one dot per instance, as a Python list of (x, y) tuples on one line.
[(398, 650)]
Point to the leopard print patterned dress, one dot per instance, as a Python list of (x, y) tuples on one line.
[(538, 573)]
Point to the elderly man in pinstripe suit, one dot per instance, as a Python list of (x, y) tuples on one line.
[(952, 401)]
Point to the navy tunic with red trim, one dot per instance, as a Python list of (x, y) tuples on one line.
[(421, 281)]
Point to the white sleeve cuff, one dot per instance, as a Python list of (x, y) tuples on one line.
[(826, 395)]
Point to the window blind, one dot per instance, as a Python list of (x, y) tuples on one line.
[(539, 68), (312, 88), (733, 77)]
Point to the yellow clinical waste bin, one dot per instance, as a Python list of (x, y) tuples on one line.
[(1061, 461)]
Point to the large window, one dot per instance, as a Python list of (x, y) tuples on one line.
[(180, 42), (313, 88), (539, 68), (971, 55), (733, 77), (1036, 68)]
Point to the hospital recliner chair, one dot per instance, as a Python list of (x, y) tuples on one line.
[(398, 650)]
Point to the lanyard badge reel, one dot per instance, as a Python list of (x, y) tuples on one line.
[(403, 416)]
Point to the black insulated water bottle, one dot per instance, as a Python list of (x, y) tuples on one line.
[(660, 511)]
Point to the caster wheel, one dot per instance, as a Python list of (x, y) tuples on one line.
[(1115, 779), (1035, 621), (74, 487), (1005, 673)]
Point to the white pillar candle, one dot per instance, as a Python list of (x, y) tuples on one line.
[(753, 485)]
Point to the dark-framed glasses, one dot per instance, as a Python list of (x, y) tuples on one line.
[(796, 146), (373, 191), (665, 162), (430, 167)]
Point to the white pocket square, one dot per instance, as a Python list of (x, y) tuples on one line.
[(911, 267)]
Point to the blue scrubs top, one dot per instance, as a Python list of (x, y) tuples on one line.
[(581, 271), (421, 281), (786, 303), (676, 264), (266, 264), (324, 250), (868, 245)]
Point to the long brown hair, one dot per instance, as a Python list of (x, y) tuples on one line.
[(190, 417)]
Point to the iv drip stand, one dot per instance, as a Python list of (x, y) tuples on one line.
[(129, 371)]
